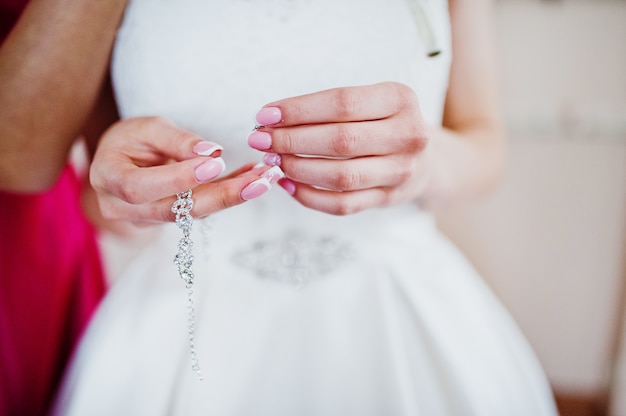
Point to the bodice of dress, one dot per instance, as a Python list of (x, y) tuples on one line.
[(210, 65)]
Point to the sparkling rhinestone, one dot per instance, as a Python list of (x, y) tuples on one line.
[(272, 159), (186, 275), (185, 244)]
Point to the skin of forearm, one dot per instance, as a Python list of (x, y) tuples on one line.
[(52, 67), (465, 163), (469, 153)]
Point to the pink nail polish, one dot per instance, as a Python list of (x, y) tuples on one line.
[(209, 170), (260, 140), (268, 116), (273, 174), (255, 189), (288, 185), (272, 159), (206, 148)]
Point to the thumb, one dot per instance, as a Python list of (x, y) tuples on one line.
[(171, 140)]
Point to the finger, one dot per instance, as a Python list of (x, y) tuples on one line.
[(208, 199), (239, 171), (402, 134), (230, 192), (157, 137), (139, 185), (340, 203), (371, 102), (347, 175)]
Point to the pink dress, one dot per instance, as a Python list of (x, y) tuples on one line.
[(50, 283)]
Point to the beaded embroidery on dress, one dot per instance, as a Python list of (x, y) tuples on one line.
[(298, 312)]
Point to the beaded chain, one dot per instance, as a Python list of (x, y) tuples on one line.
[(184, 262)]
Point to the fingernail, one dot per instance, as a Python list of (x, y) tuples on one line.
[(288, 185), (272, 159), (268, 116), (255, 189), (206, 148), (260, 140), (273, 174), (210, 169)]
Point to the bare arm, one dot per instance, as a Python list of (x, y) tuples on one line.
[(52, 67), (469, 152)]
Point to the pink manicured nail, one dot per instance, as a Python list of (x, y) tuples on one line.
[(260, 140), (255, 189), (206, 148), (210, 169), (268, 116), (273, 174), (288, 186), (272, 159)]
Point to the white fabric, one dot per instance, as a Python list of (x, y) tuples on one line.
[(400, 325)]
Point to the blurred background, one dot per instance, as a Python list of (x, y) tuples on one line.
[(551, 240)]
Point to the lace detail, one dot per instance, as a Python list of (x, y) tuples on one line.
[(296, 258)]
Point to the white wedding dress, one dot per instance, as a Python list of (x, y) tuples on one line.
[(298, 312)]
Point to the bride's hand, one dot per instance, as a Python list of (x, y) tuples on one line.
[(141, 163), (364, 146)]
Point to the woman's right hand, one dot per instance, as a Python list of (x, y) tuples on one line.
[(142, 163)]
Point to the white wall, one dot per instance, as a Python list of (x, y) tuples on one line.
[(551, 239)]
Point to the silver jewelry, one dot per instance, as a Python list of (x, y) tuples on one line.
[(184, 262), (184, 259)]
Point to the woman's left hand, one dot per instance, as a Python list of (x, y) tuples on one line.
[(348, 149)]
